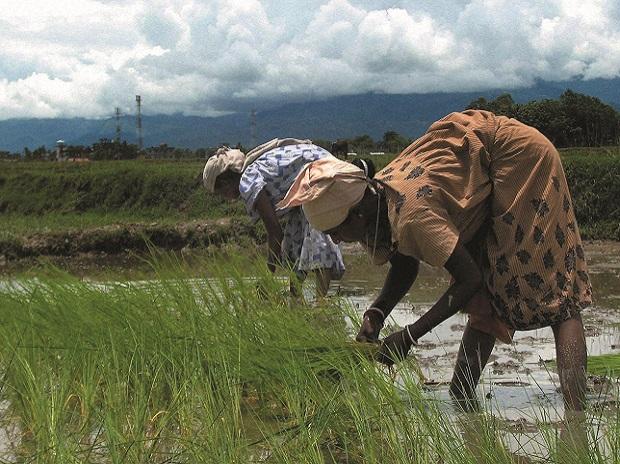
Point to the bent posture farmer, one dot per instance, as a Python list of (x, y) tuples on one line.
[(485, 197), (262, 178)]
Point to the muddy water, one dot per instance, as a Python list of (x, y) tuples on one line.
[(518, 385), (437, 350)]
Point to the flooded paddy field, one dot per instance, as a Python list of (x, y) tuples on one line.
[(520, 384), (266, 403), (525, 358)]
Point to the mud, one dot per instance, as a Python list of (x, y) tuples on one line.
[(126, 238), (519, 386)]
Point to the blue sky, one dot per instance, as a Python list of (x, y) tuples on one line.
[(207, 57)]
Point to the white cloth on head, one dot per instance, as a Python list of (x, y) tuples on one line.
[(224, 159)]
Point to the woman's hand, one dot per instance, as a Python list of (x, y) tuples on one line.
[(372, 323), (395, 348)]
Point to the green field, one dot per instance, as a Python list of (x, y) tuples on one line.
[(48, 196), (176, 370), (606, 365), (58, 195)]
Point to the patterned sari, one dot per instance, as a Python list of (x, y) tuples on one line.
[(303, 247), (494, 182)]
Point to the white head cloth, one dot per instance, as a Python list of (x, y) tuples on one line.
[(224, 159), (326, 189)]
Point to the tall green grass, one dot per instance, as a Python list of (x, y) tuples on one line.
[(181, 370), (607, 364), (142, 189)]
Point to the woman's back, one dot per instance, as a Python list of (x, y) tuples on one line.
[(275, 172)]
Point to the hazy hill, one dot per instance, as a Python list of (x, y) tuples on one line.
[(339, 117)]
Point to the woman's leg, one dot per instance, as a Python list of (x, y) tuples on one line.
[(570, 347), (476, 347), (323, 278), (572, 357)]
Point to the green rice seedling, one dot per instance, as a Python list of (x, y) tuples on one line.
[(185, 369)]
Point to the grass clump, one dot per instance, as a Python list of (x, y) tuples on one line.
[(101, 192), (188, 370)]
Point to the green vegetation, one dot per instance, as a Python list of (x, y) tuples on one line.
[(157, 197), (111, 206), (607, 364), (180, 370), (574, 120), (54, 196), (594, 180), (146, 188)]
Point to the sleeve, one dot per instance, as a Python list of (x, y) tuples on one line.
[(251, 184), (428, 234)]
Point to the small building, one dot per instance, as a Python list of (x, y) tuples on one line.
[(60, 150)]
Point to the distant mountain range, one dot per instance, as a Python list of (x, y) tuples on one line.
[(339, 117)]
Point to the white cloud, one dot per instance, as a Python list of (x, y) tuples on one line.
[(40, 95), (85, 57)]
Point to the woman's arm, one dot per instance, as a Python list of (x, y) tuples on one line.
[(400, 277), (267, 213), (467, 281)]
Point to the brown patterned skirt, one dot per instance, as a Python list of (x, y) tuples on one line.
[(535, 268)]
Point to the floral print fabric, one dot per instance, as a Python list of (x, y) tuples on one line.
[(473, 173)]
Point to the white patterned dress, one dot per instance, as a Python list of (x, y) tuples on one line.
[(303, 247)]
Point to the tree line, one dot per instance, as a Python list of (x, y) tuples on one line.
[(573, 120), (106, 149)]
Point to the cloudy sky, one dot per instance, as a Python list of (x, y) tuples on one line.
[(68, 58)]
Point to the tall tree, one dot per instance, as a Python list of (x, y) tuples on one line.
[(393, 142), (573, 120), (362, 144)]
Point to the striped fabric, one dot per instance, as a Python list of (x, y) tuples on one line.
[(474, 171)]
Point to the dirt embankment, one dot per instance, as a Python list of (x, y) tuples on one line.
[(123, 238)]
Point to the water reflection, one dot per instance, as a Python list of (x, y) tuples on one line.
[(519, 386)]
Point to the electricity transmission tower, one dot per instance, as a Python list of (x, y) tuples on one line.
[(139, 121), (118, 125)]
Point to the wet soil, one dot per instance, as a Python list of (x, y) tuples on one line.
[(121, 239), (437, 350), (519, 386)]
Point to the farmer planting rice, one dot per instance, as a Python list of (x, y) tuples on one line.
[(485, 197), (261, 179)]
